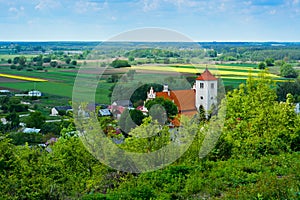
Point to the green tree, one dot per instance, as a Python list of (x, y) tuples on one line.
[(147, 137), (288, 71), (269, 62), (47, 60), (16, 60), (68, 60), (137, 116), (292, 87), (120, 63), (168, 105), (9, 61), (130, 58), (262, 65), (14, 119), (74, 62), (22, 61), (35, 120), (256, 124), (53, 63), (130, 119)]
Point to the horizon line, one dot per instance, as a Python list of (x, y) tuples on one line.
[(213, 41)]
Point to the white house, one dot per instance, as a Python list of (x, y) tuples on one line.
[(57, 110), (34, 93)]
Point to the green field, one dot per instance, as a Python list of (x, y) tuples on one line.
[(60, 81)]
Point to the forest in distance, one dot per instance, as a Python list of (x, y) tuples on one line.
[(255, 156)]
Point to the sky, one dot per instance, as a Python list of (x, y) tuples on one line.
[(100, 20)]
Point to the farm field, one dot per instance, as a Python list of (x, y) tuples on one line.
[(60, 81)]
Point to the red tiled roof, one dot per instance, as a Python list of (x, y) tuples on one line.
[(206, 76), (184, 99)]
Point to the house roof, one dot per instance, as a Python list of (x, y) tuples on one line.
[(61, 108), (31, 130), (104, 112), (184, 99), (206, 76), (124, 103)]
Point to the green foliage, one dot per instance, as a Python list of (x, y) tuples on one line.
[(74, 62), (262, 65), (68, 60), (269, 62), (151, 53), (16, 60), (256, 124), (53, 63), (141, 92), (46, 59), (168, 105), (288, 71), (120, 63), (147, 137), (292, 87), (130, 58), (35, 120), (130, 119), (22, 61)]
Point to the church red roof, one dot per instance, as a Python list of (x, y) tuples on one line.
[(184, 99), (206, 76)]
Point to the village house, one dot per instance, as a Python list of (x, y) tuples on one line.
[(118, 107), (60, 110), (34, 93)]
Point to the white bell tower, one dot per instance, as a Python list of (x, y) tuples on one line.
[(206, 91)]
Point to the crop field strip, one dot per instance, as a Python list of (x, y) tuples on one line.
[(24, 78)]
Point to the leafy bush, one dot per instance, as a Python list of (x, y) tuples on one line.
[(120, 63)]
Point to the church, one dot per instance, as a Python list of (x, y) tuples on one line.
[(203, 93)]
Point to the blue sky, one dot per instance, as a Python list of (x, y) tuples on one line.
[(202, 20)]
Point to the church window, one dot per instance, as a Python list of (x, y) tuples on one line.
[(201, 97), (212, 86), (201, 85)]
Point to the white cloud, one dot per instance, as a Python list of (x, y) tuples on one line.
[(17, 11), (89, 6), (272, 12), (150, 5), (47, 4)]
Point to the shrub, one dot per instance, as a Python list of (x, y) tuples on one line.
[(120, 63), (13, 67)]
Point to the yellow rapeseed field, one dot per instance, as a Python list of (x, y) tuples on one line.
[(24, 78), (213, 69)]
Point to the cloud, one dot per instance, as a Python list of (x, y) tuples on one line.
[(17, 12), (150, 5), (47, 4), (89, 6)]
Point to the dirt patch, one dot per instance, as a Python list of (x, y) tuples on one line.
[(110, 71), (10, 80), (10, 89)]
